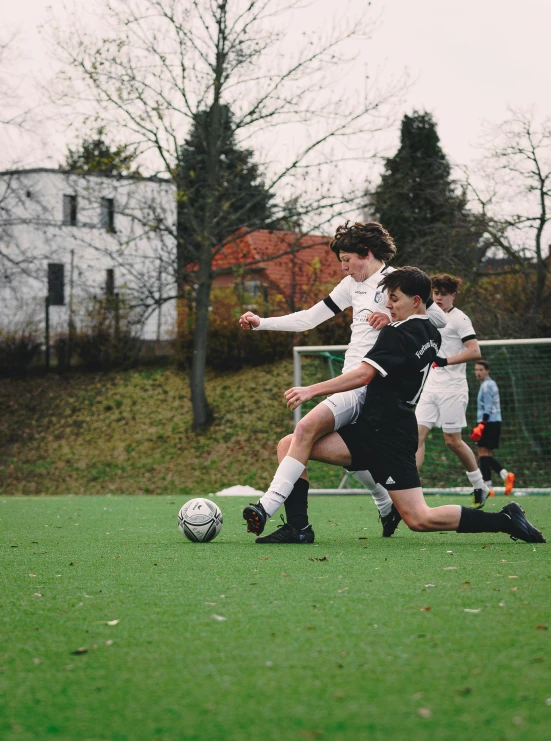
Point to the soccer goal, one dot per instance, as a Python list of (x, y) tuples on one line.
[(522, 370)]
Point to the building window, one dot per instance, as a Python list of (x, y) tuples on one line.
[(108, 214), (70, 210), (253, 288)]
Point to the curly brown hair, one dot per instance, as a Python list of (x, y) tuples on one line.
[(362, 239), (445, 283)]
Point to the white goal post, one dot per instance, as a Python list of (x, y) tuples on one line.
[(522, 369)]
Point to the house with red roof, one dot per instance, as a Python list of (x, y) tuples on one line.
[(269, 263)]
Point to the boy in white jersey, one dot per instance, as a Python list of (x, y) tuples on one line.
[(446, 394), (363, 250)]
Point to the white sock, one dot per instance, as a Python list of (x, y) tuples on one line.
[(488, 484), (380, 495), (288, 473), (503, 473), (475, 477)]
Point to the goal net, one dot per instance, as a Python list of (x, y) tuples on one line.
[(522, 370)]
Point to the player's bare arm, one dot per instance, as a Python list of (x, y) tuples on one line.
[(354, 379), (471, 352)]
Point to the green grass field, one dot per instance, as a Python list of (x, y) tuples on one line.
[(421, 636)]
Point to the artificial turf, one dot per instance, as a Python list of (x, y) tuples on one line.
[(440, 636)]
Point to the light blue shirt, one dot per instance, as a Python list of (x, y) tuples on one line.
[(488, 401)]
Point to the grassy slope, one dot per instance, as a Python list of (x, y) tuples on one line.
[(131, 432), (373, 641)]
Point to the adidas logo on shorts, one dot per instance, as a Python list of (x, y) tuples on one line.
[(390, 480)]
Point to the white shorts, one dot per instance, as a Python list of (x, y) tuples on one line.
[(445, 409), (346, 406)]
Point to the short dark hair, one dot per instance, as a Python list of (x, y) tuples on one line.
[(446, 283), (363, 238), (410, 280), (484, 363)]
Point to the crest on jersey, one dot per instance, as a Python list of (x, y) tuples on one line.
[(378, 296)]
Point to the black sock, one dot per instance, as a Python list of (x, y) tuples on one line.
[(476, 521), (296, 505), (485, 467), (495, 464)]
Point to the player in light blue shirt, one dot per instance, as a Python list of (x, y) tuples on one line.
[(488, 430)]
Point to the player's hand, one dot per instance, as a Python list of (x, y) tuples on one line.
[(476, 434), (297, 396), (378, 319), (440, 362), (249, 320)]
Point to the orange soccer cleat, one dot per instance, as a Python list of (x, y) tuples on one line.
[(509, 483)]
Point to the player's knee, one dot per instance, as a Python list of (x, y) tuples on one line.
[(306, 430), (452, 443), (416, 521)]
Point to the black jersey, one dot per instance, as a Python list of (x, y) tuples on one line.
[(403, 356)]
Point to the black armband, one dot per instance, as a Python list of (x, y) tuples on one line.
[(331, 305)]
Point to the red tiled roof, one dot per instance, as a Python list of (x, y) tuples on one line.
[(291, 273)]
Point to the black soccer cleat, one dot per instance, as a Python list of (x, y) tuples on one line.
[(256, 517), (520, 528), (390, 522), (288, 534), (479, 498)]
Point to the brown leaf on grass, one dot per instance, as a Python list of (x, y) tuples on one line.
[(427, 608), (474, 612), (514, 589), (424, 712), (362, 538), (345, 589), (450, 568), (317, 559), (211, 604), (112, 622), (72, 563), (429, 586), (32, 574), (284, 574), (79, 651), (116, 556), (218, 617), (541, 627), (513, 576), (37, 594), (108, 643)]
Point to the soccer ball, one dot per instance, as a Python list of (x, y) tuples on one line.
[(200, 520)]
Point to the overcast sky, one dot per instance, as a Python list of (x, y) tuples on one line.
[(467, 60)]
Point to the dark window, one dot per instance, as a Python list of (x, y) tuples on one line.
[(70, 210), (108, 213)]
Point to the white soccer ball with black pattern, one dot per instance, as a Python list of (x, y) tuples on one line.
[(200, 520)]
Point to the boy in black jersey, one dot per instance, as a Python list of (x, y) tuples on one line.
[(384, 439)]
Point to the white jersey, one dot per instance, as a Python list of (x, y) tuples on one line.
[(365, 298), (457, 331)]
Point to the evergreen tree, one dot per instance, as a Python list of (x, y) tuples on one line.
[(220, 187), (97, 156), (421, 206)]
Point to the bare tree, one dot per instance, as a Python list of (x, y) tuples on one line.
[(15, 260), (164, 63), (515, 200)]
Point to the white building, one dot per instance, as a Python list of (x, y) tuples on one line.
[(90, 224)]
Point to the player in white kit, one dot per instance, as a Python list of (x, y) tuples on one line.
[(363, 250), (446, 394)]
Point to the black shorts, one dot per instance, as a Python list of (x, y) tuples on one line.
[(490, 436), (389, 454)]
